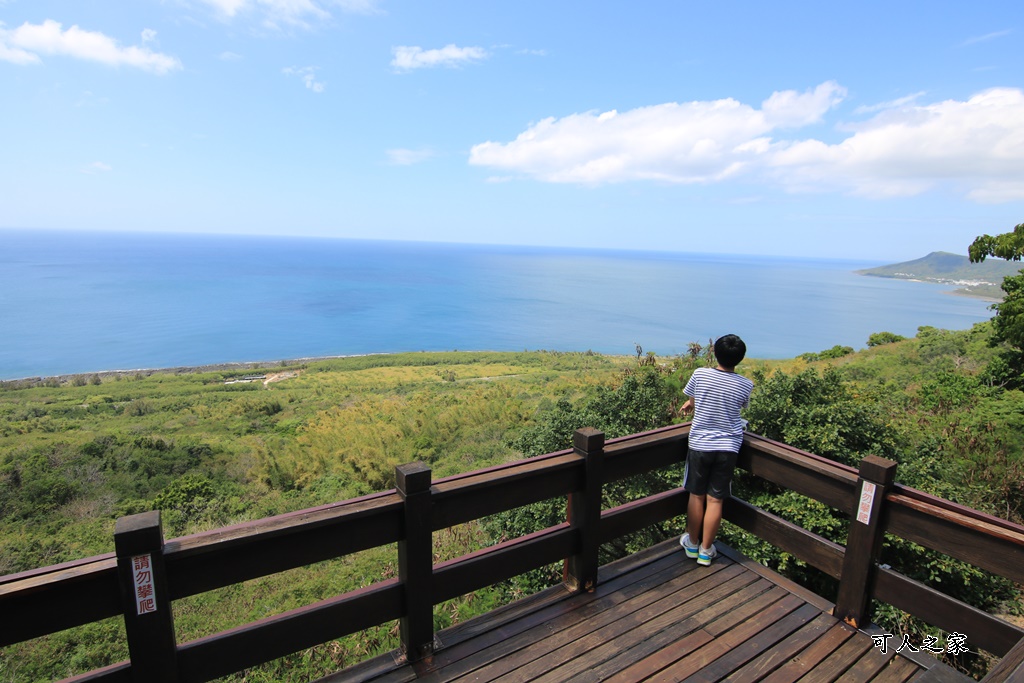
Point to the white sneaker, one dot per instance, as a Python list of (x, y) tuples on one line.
[(690, 548), (705, 555)]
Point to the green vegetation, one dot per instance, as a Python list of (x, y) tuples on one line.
[(78, 453), (879, 338), (1009, 320), (836, 351), (75, 454)]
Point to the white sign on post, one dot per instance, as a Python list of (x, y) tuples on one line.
[(867, 501), (142, 577)]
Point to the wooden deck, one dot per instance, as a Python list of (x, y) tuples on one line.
[(658, 616)]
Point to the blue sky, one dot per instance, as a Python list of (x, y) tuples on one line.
[(872, 130)]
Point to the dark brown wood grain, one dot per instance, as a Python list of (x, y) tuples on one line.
[(146, 602), (1010, 668), (982, 630), (864, 540), (639, 514), (662, 618), (795, 540), (268, 639), (43, 603), (207, 561), (973, 538), (584, 511)]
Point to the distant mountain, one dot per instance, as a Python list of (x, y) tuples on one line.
[(973, 279)]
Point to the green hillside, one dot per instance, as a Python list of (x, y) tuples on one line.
[(972, 279), (212, 448)]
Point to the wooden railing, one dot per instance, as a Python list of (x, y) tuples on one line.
[(145, 574)]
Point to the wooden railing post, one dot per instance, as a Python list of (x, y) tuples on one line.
[(864, 541), (149, 623), (585, 510), (415, 561)]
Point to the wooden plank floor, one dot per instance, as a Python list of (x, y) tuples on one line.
[(658, 616)]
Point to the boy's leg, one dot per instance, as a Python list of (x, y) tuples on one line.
[(695, 482), (712, 520), (695, 517), (719, 485)]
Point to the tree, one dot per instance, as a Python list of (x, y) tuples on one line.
[(1009, 320), (836, 351), (826, 414), (820, 413), (643, 400), (880, 338), (1008, 246)]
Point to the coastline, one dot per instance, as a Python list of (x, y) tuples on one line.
[(971, 295), (186, 369), (962, 289), (280, 367)]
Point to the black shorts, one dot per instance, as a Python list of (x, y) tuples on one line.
[(709, 472)]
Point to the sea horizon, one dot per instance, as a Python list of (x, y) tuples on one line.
[(79, 303)]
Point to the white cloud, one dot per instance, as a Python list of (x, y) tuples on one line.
[(228, 8), (26, 43), (358, 6), (308, 76), (148, 35), (790, 109), (975, 147), (97, 167), (407, 57), (892, 104), (408, 157), (985, 38), (690, 142), (228, 56), (279, 13), (16, 55)]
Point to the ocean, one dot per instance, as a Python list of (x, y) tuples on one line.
[(79, 302)]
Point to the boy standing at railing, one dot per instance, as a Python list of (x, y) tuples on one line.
[(716, 397)]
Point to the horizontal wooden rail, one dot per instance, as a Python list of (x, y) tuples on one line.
[(225, 557), (638, 454), (811, 475), (949, 614), (640, 514), (468, 498), (54, 568), (115, 673), (1010, 669), (816, 551), (262, 641), (503, 561), (47, 602), (55, 598), (981, 540)]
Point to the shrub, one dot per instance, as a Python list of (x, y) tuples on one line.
[(880, 338)]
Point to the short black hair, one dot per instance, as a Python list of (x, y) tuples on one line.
[(729, 350)]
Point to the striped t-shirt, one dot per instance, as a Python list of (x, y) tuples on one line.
[(717, 396)]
